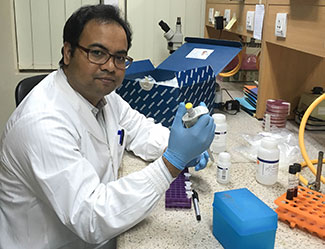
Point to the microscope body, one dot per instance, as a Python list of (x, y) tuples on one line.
[(174, 38)]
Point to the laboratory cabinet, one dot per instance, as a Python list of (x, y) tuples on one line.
[(288, 66)]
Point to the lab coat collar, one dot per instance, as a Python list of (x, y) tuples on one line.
[(86, 115)]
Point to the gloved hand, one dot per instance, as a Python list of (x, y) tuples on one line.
[(200, 162), (186, 144)]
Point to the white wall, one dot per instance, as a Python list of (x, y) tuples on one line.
[(9, 75), (39, 33), (148, 37), (148, 42)]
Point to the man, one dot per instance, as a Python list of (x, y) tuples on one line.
[(63, 145)]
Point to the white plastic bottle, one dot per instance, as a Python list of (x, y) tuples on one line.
[(220, 134), (223, 168), (267, 161)]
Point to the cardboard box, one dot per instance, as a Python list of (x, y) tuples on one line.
[(241, 220), (187, 75)]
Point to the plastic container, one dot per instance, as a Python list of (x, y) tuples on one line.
[(278, 110), (278, 105), (267, 161), (218, 97), (306, 211), (298, 170), (242, 221), (176, 196), (220, 134), (291, 182), (223, 168)]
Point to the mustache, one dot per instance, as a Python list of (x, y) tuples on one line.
[(106, 76)]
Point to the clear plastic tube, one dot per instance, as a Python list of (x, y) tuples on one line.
[(292, 179)]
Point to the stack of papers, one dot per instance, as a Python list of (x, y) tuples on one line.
[(248, 101)]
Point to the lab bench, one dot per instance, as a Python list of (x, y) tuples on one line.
[(178, 228)]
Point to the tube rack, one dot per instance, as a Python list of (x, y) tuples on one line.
[(175, 196), (306, 211)]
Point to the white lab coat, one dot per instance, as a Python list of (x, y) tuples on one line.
[(58, 175)]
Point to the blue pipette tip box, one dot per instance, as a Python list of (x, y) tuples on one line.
[(241, 220)]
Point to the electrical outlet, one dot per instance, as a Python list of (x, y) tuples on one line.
[(211, 15), (281, 25), (227, 16), (250, 15)]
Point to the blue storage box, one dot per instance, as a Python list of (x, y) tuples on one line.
[(243, 221), (187, 75)]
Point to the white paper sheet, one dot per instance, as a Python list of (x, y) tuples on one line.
[(258, 22), (200, 53), (112, 2)]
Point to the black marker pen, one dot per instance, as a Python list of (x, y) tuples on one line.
[(195, 198)]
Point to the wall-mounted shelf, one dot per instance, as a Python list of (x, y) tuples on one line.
[(288, 66)]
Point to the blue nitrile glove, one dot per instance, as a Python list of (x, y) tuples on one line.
[(186, 144), (200, 162)]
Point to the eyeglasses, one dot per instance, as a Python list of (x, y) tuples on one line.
[(100, 57)]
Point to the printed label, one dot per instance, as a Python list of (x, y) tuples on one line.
[(200, 53), (222, 173), (267, 168)]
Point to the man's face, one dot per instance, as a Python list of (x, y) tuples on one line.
[(93, 81)]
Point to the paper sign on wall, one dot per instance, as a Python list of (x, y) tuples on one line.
[(258, 22), (112, 2)]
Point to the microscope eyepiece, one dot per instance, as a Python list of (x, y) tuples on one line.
[(164, 26)]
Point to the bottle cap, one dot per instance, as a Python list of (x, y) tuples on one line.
[(317, 90), (269, 143), (224, 157), (292, 169), (219, 118), (188, 106), (298, 167)]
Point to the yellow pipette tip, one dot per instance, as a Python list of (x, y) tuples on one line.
[(188, 106)]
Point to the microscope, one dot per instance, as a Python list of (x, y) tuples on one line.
[(174, 38)]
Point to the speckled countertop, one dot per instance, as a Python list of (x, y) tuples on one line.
[(178, 228)]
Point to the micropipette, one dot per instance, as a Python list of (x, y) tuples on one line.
[(191, 117)]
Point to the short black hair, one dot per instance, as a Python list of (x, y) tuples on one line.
[(102, 13)]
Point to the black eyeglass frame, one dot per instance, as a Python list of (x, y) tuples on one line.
[(128, 59)]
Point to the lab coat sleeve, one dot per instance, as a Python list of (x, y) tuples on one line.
[(144, 137), (44, 151)]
